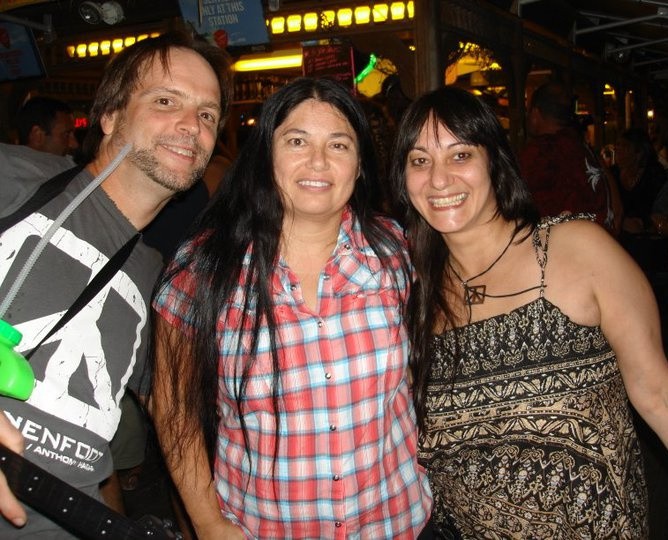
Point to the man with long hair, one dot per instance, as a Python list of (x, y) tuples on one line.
[(154, 123)]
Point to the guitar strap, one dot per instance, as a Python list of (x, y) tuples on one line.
[(47, 191), (112, 266)]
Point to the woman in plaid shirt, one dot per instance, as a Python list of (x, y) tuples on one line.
[(280, 393)]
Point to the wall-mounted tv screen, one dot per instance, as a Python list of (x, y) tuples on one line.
[(19, 55)]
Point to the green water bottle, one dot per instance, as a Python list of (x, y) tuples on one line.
[(17, 379)]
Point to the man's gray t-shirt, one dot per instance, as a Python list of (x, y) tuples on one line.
[(81, 372)]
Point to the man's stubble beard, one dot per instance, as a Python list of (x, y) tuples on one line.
[(144, 159)]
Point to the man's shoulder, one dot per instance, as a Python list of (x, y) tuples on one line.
[(23, 171), (22, 161)]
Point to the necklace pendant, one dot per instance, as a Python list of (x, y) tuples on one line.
[(474, 294)]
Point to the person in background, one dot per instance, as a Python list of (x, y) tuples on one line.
[(382, 133), (528, 338), (162, 101), (640, 177), (658, 134), (562, 171), (173, 222), (280, 393), (47, 125)]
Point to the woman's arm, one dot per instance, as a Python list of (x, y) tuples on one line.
[(630, 321), (10, 508), (189, 465)]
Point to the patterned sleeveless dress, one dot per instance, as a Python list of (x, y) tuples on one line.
[(534, 440)]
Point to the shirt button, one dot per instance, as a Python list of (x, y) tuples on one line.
[(320, 323), (338, 524), (336, 478), (293, 287), (328, 375), (332, 427), (326, 277), (347, 246)]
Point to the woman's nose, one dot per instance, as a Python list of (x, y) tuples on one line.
[(440, 177), (318, 157)]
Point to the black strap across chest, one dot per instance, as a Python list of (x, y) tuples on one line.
[(47, 191)]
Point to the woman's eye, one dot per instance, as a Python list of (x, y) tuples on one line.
[(418, 161), (164, 101), (295, 141), (462, 156)]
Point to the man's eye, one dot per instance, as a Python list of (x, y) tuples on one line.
[(209, 117)]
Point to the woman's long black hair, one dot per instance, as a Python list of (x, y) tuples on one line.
[(471, 121), (246, 216)]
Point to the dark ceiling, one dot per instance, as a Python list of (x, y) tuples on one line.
[(630, 32), (66, 22)]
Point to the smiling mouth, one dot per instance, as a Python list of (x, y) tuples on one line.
[(185, 152), (445, 202), (313, 183)]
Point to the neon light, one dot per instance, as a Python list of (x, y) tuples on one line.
[(373, 59)]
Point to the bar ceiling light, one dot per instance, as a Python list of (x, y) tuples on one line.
[(294, 23), (345, 17), (362, 15), (286, 59), (398, 10), (310, 21), (380, 12)]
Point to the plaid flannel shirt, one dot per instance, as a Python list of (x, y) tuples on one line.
[(346, 464)]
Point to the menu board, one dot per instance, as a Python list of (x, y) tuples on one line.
[(334, 61)]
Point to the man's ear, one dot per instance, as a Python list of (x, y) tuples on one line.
[(36, 137), (108, 122)]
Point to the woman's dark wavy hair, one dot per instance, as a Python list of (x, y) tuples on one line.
[(471, 121), (125, 71), (246, 215)]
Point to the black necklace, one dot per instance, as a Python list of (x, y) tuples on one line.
[(476, 294)]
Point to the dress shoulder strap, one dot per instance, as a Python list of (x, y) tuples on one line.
[(541, 239)]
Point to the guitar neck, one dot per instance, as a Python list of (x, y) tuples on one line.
[(74, 510)]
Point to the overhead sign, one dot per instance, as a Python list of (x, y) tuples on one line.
[(227, 22), (19, 56), (6, 5)]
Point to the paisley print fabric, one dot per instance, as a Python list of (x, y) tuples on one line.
[(534, 439)]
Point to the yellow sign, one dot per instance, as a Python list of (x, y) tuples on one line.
[(6, 5)]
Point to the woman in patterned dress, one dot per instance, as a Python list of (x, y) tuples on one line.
[(529, 338)]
